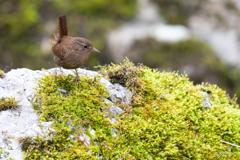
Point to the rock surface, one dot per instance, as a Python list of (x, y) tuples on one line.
[(14, 124)]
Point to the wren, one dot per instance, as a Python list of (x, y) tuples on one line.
[(70, 52)]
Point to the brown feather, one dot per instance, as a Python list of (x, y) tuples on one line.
[(56, 40)]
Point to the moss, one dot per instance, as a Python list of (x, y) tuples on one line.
[(126, 74), (83, 104), (27, 143), (167, 119), (8, 103), (33, 146), (164, 121)]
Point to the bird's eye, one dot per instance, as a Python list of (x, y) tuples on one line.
[(85, 46)]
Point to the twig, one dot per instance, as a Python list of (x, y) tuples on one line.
[(229, 143)]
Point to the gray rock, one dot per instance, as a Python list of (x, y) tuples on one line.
[(119, 94), (115, 110)]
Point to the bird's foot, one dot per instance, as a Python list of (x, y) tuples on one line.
[(77, 78)]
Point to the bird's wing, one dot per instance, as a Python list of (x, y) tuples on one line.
[(59, 52)]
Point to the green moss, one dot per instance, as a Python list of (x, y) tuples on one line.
[(83, 104), (8, 103), (165, 120), (26, 143)]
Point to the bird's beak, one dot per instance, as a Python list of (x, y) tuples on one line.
[(94, 49)]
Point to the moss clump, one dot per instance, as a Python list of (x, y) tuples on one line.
[(165, 120), (27, 143), (34, 146), (8, 103), (81, 105)]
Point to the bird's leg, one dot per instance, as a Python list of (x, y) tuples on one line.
[(77, 77)]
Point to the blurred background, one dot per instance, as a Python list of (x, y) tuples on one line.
[(200, 37)]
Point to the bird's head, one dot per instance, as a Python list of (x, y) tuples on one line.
[(84, 45)]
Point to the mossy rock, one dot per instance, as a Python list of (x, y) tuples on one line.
[(166, 118)]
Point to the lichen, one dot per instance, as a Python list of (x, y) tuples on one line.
[(8, 103), (165, 119)]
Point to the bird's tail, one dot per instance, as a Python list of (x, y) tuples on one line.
[(62, 29)]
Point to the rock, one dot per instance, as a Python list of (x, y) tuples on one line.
[(119, 93), (115, 110)]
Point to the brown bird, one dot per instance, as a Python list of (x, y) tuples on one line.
[(70, 52)]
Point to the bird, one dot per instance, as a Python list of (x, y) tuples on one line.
[(70, 52)]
